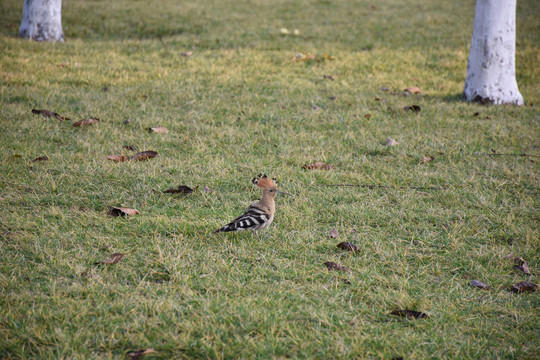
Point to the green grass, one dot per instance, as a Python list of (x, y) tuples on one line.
[(240, 106)]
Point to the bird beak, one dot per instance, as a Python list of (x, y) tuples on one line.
[(283, 192)]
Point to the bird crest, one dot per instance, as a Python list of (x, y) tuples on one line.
[(264, 182)]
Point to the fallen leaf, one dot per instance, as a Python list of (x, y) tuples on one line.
[(479, 284), (130, 147), (332, 97), (523, 287), (113, 259), (476, 114), (384, 88), (158, 130), (325, 56), (296, 32), (409, 313), (206, 189), (427, 159), (377, 98), (413, 90), (315, 107), (85, 122), (41, 158), (348, 246), (181, 189), (48, 114), (16, 156), (333, 233), (391, 142), (329, 77), (118, 158), (186, 53), (319, 165), (115, 211), (413, 108), (521, 264), (145, 155), (127, 121), (284, 31), (367, 116), (137, 354), (333, 266), (312, 57)]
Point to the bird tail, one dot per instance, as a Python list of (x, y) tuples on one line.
[(226, 228)]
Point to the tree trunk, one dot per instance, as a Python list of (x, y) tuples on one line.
[(42, 20), (491, 73)]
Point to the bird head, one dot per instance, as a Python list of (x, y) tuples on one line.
[(267, 185)]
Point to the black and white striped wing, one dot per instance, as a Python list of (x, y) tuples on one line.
[(253, 219)]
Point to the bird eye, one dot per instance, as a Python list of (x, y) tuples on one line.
[(271, 190)]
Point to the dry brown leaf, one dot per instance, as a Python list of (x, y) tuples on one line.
[(348, 246), (523, 287), (85, 122), (158, 130), (181, 189), (137, 354), (521, 264), (113, 259), (413, 108), (333, 233), (333, 266), (48, 114), (116, 211), (127, 121), (479, 284), (409, 314), (427, 159), (413, 90), (329, 77), (41, 158), (319, 165), (377, 98), (187, 53), (118, 158), (384, 88), (391, 142), (145, 155), (367, 116)]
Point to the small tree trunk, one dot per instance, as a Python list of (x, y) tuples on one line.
[(491, 73), (42, 20)]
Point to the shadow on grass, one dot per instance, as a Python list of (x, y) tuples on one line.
[(452, 98)]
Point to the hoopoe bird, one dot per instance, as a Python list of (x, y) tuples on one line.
[(260, 214)]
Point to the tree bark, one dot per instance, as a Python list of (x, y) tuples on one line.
[(491, 72), (42, 20)]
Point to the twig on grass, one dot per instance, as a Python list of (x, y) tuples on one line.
[(369, 186), (497, 154)]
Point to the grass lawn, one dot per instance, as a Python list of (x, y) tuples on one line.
[(242, 105)]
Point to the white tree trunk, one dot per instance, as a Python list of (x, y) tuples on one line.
[(491, 73), (42, 20)]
